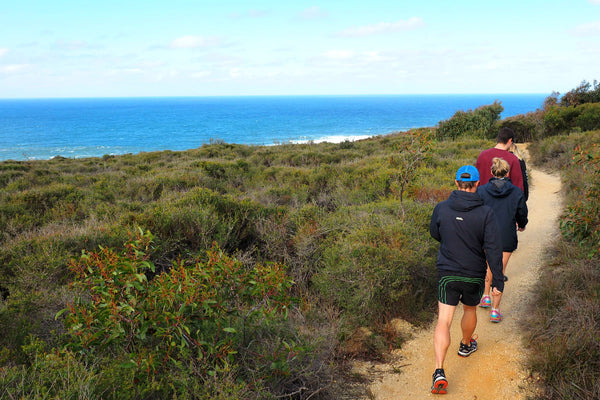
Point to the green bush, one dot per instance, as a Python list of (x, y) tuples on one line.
[(206, 316), (527, 127), (379, 264), (581, 222), (478, 123), (582, 94), (559, 120)]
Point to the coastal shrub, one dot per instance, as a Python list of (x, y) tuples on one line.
[(563, 327), (559, 120), (527, 127), (408, 157), (215, 317), (49, 374), (478, 123), (582, 94), (581, 221), (201, 217), (369, 264), (589, 117)]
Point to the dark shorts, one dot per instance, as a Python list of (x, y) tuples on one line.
[(454, 289)]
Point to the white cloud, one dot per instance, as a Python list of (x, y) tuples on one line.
[(192, 42), (596, 2), (201, 74), (384, 27), (338, 54), (591, 28), (3, 51), (312, 13), (13, 68)]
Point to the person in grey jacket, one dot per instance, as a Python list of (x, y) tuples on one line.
[(508, 202), (469, 241)]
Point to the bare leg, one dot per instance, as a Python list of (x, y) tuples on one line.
[(441, 336), (468, 323), (488, 282), (497, 298)]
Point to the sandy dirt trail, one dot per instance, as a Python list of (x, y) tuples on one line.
[(496, 370)]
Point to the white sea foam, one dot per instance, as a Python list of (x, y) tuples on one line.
[(333, 139)]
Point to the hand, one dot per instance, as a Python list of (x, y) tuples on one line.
[(496, 292)]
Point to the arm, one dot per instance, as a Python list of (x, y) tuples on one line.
[(525, 178), (434, 227), (516, 174), (493, 250), (521, 215)]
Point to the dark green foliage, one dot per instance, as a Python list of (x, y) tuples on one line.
[(576, 110), (558, 120), (377, 263), (581, 222), (584, 93), (527, 127), (207, 315), (478, 123)]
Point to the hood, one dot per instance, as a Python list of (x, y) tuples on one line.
[(499, 187), (464, 201)]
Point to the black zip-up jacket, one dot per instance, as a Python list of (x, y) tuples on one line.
[(469, 236), (510, 208)]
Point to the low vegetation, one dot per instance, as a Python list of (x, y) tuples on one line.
[(563, 326), (234, 271)]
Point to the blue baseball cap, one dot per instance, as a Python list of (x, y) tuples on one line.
[(467, 173)]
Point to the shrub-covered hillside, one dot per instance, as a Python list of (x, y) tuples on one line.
[(342, 227)]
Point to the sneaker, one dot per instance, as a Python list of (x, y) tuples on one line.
[(495, 316), (465, 350), (486, 302), (440, 383), (505, 278)]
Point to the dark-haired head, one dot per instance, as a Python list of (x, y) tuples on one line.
[(504, 135)]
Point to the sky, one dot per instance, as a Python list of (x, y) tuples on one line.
[(125, 48)]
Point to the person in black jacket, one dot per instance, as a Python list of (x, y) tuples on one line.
[(510, 207), (469, 241), (515, 150)]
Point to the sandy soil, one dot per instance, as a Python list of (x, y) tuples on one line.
[(496, 370)]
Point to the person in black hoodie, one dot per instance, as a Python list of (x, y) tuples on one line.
[(469, 239), (508, 202)]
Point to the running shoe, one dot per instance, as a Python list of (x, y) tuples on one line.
[(505, 278), (465, 350), (440, 383), (495, 316), (486, 301)]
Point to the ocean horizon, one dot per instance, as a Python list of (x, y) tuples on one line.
[(40, 129)]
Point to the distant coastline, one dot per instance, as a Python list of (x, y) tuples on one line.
[(33, 129)]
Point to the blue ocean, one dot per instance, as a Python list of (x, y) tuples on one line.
[(37, 129)]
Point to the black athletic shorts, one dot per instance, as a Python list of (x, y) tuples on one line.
[(452, 289)]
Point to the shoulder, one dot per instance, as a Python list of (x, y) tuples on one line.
[(486, 153)]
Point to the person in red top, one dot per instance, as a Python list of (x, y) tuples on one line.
[(504, 140)]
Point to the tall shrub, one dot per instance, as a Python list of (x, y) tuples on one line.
[(203, 315), (478, 123), (408, 156), (581, 222)]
